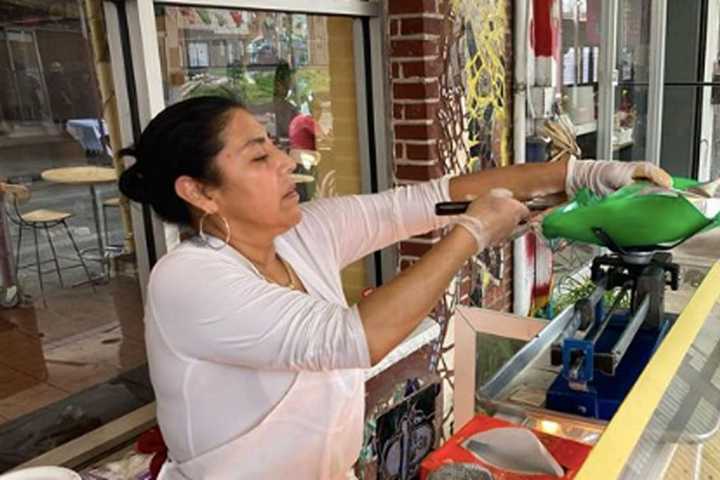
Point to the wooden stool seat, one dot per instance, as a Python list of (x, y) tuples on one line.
[(111, 202), (43, 215)]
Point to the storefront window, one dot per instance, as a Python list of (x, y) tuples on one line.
[(580, 60), (630, 121), (72, 354), (295, 72)]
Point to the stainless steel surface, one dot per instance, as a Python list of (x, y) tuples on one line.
[(608, 315), (638, 258), (658, 22), (523, 358), (628, 334), (606, 73)]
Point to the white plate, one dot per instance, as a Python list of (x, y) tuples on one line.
[(42, 473)]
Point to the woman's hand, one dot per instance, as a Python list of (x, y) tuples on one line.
[(490, 219), (603, 177), (395, 308)]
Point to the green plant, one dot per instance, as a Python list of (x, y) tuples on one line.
[(583, 290)]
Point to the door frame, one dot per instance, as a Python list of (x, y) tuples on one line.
[(608, 78)]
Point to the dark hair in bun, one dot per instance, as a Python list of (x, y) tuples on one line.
[(181, 140)]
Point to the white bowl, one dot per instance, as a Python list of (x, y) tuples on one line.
[(42, 473)]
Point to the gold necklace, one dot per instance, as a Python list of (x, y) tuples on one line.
[(291, 284), (291, 281)]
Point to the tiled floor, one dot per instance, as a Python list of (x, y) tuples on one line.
[(81, 339)]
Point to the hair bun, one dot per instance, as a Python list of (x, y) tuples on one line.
[(133, 184)]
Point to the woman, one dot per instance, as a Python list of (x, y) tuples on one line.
[(256, 358)]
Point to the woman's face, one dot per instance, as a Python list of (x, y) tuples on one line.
[(256, 190)]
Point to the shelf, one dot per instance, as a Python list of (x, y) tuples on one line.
[(585, 128), (620, 146), (426, 332)]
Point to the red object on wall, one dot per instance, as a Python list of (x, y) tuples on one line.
[(568, 453), (543, 28)]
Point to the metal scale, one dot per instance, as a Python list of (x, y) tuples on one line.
[(602, 349)]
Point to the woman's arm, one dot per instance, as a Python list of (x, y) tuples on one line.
[(565, 176), (393, 310), (352, 227), (525, 181)]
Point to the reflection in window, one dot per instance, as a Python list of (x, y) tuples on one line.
[(294, 72), (72, 353)]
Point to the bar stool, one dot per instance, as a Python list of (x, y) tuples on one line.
[(113, 202), (40, 219)]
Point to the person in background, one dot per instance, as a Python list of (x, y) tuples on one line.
[(284, 109), (61, 94), (304, 134), (256, 358)]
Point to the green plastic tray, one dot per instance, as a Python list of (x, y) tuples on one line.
[(632, 221)]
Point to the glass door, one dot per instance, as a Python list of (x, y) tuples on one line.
[(31, 90), (631, 90), (581, 45), (612, 70)]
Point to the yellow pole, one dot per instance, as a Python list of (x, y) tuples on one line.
[(612, 452), (103, 70)]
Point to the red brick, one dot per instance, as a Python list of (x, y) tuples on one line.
[(394, 27), (422, 111), (416, 132), (399, 150), (417, 172), (398, 111), (421, 152), (434, 235), (414, 249), (414, 26), (397, 7), (416, 91), (422, 69), (396, 70), (413, 48)]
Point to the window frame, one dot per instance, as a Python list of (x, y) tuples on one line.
[(370, 70)]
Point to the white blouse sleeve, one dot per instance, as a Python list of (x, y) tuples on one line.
[(207, 308), (355, 226)]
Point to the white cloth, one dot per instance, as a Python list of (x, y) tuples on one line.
[(254, 380)]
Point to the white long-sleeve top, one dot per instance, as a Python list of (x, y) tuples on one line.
[(224, 345)]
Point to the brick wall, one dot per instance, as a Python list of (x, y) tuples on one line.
[(414, 28), (414, 33)]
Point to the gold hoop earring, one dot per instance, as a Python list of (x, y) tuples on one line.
[(202, 234)]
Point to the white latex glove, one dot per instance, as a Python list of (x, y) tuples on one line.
[(603, 177), (492, 218)]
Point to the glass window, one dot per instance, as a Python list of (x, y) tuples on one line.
[(630, 121), (294, 72), (71, 335), (580, 57), (580, 60)]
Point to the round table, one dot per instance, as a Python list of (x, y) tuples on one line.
[(90, 176), (302, 178), (84, 175)]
